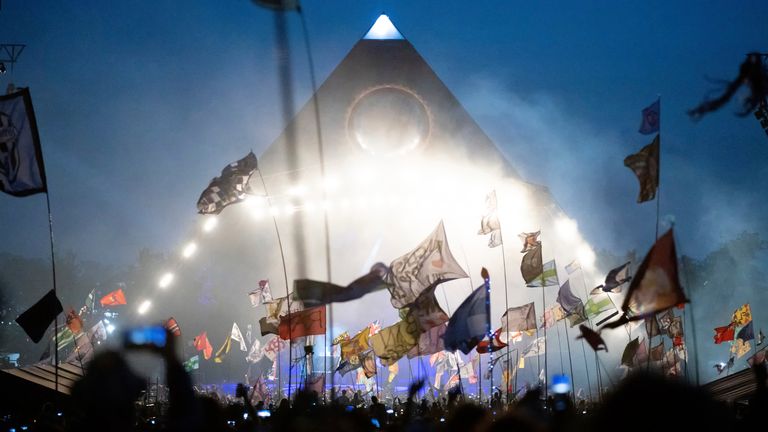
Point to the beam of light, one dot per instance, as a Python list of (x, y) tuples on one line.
[(165, 280), (210, 224), (586, 257), (189, 250), (567, 229), (383, 29), (255, 201), (144, 307)]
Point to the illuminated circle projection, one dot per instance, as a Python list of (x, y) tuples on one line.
[(389, 120)]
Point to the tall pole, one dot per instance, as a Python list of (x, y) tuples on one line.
[(487, 281), (570, 359), (546, 371), (597, 367), (56, 319), (506, 292)]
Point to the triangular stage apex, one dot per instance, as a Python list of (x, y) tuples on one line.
[(383, 29)]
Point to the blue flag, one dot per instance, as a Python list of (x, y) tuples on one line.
[(469, 324), (746, 333), (21, 159), (651, 118), (568, 300)]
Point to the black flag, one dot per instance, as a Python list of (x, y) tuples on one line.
[(531, 266), (35, 320), (21, 159), (229, 188)]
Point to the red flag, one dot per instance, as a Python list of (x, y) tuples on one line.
[(115, 298), (303, 323), (496, 344), (173, 326), (74, 322), (724, 334), (202, 344)]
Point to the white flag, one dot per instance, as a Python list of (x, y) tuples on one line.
[(237, 336)]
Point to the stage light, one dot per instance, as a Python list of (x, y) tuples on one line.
[(110, 328), (165, 280), (255, 201), (210, 224), (144, 307), (189, 250)]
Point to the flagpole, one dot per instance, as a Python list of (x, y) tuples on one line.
[(544, 307), (53, 275), (287, 294), (487, 280), (570, 359), (506, 289), (597, 367)]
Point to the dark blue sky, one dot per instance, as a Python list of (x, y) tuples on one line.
[(140, 103)]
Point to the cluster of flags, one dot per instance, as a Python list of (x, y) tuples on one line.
[(740, 331)]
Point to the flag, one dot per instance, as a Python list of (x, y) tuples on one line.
[(665, 319), (567, 299), (173, 326), (98, 333), (393, 342), (90, 301), (393, 371), (656, 286), (577, 317), (616, 278), (236, 335), (746, 333), (740, 348), (374, 328), (430, 342), (415, 271), (724, 334), (530, 241), (573, 266), (303, 323), (489, 223), (531, 266), (651, 118), (469, 324), (675, 329), (201, 343), (742, 315), (255, 354), (115, 298), (492, 345), (652, 326), (38, 317), (262, 294), (347, 366), (548, 276), (64, 336), (74, 322), (193, 363), (552, 315), (597, 305), (316, 293), (593, 338), (519, 318), (22, 171), (222, 352), (315, 383), (369, 363), (628, 356), (645, 165), (344, 336), (356, 344), (426, 311), (229, 188), (267, 327), (273, 348), (536, 348)]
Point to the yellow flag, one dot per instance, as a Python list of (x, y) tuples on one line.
[(355, 345), (393, 370), (223, 351), (742, 316), (393, 342), (740, 348)]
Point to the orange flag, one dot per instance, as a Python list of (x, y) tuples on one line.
[(202, 344), (302, 323), (115, 298)]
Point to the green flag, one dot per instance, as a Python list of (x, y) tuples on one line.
[(597, 305), (65, 337), (192, 364), (548, 276)]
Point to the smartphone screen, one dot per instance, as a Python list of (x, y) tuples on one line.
[(145, 336)]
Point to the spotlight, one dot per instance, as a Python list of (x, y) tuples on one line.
[(165, 280), (144, 307), (110, 328), (189, 250), (297, 190), (210, 224), (3, 70)]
